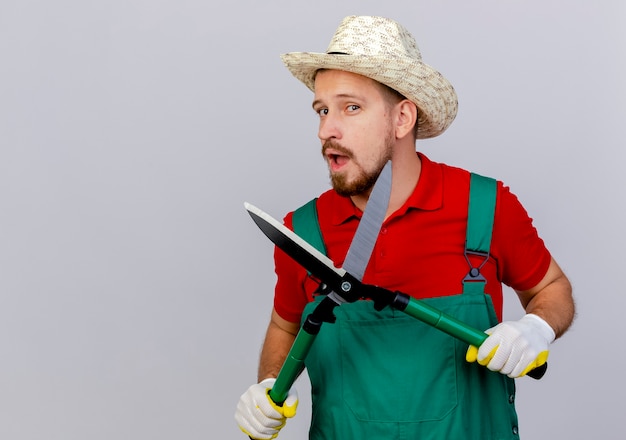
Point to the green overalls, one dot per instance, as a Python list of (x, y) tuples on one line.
[(386, 375)]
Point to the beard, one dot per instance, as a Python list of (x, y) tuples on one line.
[(365, 179)]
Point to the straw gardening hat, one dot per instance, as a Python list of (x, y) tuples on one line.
[(383, 50)]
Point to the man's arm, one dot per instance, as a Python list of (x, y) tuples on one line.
[(551, 299), (278, 341)]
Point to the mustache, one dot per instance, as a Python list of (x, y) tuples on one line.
[(335, 146)]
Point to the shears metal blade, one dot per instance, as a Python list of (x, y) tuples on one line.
[(364, 239)]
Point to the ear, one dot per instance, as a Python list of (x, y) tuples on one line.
[(407, 118)]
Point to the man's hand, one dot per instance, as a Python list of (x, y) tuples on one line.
[(258, 416), (514, 347)]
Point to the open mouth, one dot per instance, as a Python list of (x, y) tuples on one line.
[(336, 157), (336, 161)]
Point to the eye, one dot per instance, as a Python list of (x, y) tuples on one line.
[(322, 111), (353, 107)]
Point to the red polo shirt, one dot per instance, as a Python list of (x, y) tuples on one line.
[(420, 247)]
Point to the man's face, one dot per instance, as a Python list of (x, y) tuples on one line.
[(355, 129)]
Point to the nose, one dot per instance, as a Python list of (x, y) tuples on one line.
[(329, 128)]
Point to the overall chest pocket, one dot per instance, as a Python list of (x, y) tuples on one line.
[(397, 370)]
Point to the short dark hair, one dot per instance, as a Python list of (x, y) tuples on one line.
[(392, 97)]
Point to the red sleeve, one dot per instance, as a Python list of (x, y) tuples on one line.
[(522, 256), (292, 284)]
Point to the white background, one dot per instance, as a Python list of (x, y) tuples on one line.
[(135, 290)]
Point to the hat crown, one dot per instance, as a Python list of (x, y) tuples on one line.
[(374, 36)]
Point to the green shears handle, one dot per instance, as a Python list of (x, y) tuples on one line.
[(292, 367)]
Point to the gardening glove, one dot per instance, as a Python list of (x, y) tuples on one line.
[(514, 347), (258, 416)]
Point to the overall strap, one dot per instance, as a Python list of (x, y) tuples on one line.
[(481, 211), (306, 225), (480, 217)]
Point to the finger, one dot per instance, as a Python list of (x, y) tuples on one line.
[(472, 354), (511, 361), (255, 417), (267, 407), (487, 349), (291, 405), (253, 427), (486, 358)]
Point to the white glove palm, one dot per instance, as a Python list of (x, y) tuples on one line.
[(258, 416), (514, 347)]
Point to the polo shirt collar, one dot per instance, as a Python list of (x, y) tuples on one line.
[(427, 195)]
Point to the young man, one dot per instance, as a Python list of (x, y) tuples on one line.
[(381, 374)]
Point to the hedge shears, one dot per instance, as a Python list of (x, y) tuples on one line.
[(343, 285)]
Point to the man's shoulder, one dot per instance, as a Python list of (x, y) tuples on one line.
[(323, 202), (454, 175), (328, 200), (447, 171)]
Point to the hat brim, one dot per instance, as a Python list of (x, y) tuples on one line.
[(418, 82)]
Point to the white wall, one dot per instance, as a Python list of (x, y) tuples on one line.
[(134, 288)]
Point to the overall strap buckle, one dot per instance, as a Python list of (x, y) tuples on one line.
[(474, 272)]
